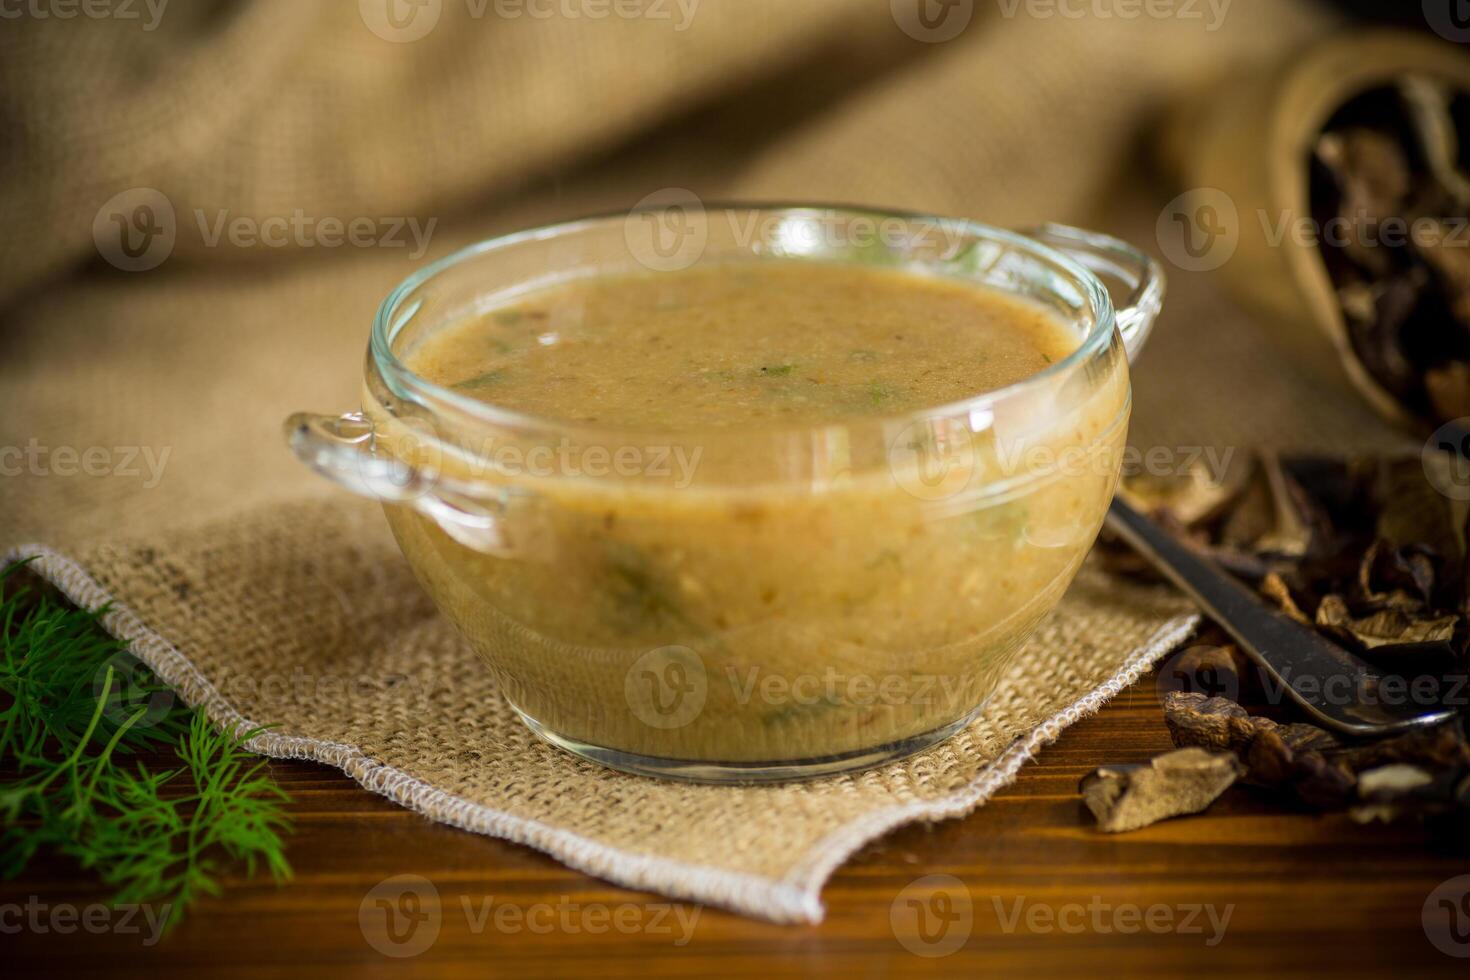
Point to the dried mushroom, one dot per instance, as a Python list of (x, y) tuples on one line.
[(1181, 782), (1371, 555), (1388, 189), (1298, 757), (1367, 550)]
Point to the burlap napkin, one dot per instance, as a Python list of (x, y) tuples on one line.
[(141, 410)]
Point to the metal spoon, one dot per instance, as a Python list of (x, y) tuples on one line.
[(1336, 688)]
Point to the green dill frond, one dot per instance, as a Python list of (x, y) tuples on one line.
[(72, 700)]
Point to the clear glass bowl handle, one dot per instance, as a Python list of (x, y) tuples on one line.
[(1133, 278), (344, 449)]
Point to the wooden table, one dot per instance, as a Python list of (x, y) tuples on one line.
[(1306, 894)]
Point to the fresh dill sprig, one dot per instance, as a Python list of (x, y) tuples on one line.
[(72, 702), (51, 667)]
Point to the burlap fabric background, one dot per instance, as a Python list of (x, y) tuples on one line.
[(264, 594)]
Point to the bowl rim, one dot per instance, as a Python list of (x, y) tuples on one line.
[(405, 383)]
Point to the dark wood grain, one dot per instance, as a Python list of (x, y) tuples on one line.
[(1308, 894)]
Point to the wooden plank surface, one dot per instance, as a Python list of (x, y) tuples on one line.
[(1047, 895)]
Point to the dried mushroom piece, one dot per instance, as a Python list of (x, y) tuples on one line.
[(1207, 722), (1382, 628), (1442, 246), (1429, 105), (1448, 387), (1274, 587), (1296, 756), (1194, 497), (1249, 518), (1398, 790), (1208, 668), (1372, 175), (1442, 747), (1181, 782)]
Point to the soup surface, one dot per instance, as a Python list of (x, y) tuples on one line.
[(735, 344)]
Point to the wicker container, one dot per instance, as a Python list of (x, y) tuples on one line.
[(1249, 145)]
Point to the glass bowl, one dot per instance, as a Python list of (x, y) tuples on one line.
[(760, 603)]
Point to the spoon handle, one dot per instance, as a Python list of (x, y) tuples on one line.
[(1336, 688)]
